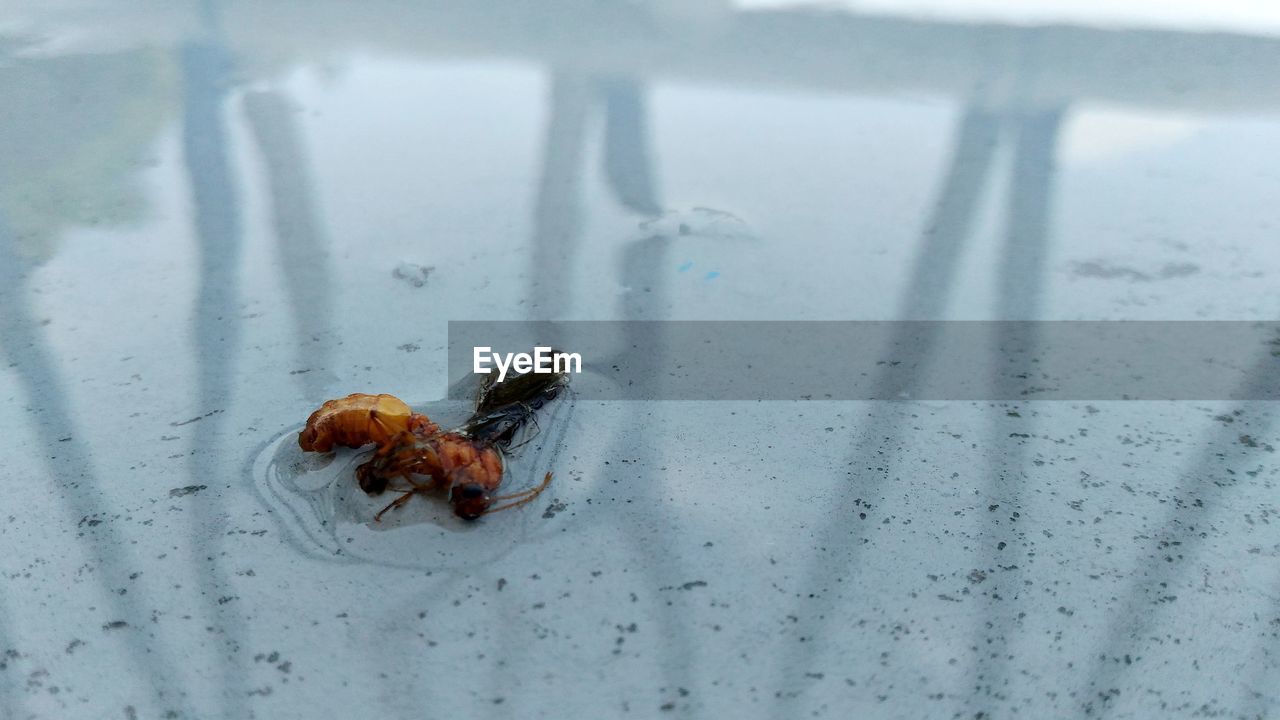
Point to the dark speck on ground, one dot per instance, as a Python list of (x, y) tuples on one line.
[(194, 419), (188, 490), (415, 275)]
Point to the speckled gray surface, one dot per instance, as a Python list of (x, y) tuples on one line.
[(214, 217)]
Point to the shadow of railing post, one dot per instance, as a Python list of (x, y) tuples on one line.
[(1177, 536), (1021, 278), (932, 276), (10, 706), (628, 165), (643, 264), (71, 470), (557, 215), (304, 253), (628, 153), (206, 75)]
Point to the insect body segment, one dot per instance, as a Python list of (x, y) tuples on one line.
[(468, 469), (359, 419)]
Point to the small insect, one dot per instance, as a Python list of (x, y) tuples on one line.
[(530, 389), (359, 419), (466, 462), (469, 469), (503, 408)]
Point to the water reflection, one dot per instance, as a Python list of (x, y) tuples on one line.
[(76, 132), (628, 155), (1014, 84), (206, 68), (557, 215), (71, 470), (843, 52), (1225, 463), (8, 695), (303, 247), (1023, 269), (933, 275)]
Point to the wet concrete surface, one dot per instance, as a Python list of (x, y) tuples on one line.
[(209, 226)]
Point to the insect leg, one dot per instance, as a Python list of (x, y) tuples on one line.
[(533, 432), (385, 431), (396, 503)]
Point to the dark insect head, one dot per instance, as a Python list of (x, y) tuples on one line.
[(470, 501), (369, 479)]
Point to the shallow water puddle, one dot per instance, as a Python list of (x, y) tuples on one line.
[(316, 498)]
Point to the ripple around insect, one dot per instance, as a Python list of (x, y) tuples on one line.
[(326, 515)]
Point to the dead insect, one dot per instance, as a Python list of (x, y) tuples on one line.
[(359, 419), (466, 462), (503, 409), (469, 470)]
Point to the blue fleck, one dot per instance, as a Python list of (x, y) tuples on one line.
[(713, 275), (685, 267)]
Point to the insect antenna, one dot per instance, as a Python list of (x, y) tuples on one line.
[(522, 497)]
